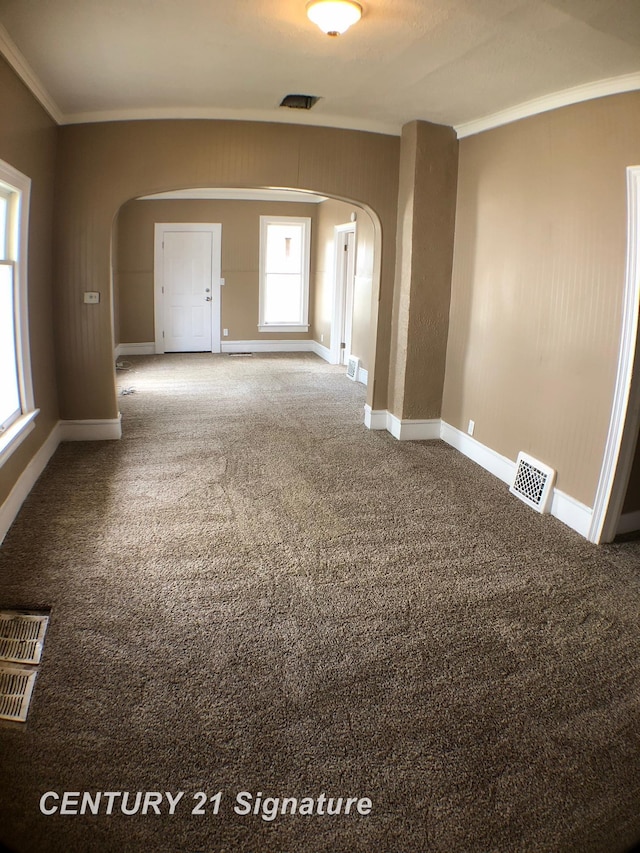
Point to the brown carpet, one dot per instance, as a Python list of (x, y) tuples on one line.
[(252, 592)]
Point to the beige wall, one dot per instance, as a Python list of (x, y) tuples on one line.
[(102, 166), (240, 222), (424, 254), (28, 143), (538, 276), (632, 498), (330, 214)]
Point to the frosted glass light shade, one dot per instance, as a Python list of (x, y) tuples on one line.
[(334, 17)]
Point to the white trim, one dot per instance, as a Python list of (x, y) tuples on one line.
[(135, 349), (14, 435), (292, 328), (629, 523), (91, 430), (413, 430), (571, 512), (278, 115), (321, 350), (16, 60), (501, 467), (268, 346), (26, 481), (215, 228), (239, 194), (375, 418), (563, 507), (564, 98), (340, 287), (18, 187), (303, 222), (363, 376), (625, 415)]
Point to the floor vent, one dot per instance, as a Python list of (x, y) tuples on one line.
[(353, 365), (16, 687), (533, 482), (21, 636)]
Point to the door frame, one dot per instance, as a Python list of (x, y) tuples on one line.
[(215, 229), (340, 309), (625, 410)]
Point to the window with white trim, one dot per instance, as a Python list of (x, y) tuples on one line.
[(17, 409), (284, 273)]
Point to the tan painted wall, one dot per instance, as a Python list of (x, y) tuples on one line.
[(240, 222), (28, 142), (102, 166), (364, 295), (538, 276), (632, 498), (424, 257), (330, 214)]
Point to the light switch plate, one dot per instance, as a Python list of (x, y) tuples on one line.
[(91, 297)]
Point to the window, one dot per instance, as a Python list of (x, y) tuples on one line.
[(284, 273), (17, 410)]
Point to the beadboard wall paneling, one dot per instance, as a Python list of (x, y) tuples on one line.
[(240, 222), (28, 143), (538, 276), (102, 166)]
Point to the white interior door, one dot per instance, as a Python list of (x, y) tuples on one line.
[(187, 290), (348, 279)]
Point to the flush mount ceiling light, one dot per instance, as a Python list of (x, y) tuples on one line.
[(334, 17)]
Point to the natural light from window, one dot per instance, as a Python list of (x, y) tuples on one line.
[(284, 279), (17, 408)]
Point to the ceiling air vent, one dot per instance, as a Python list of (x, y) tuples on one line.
[(299, 102), (533, 482)]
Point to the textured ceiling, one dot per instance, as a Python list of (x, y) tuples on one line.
[(446, 61)]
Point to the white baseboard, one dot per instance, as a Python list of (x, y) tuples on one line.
[(98, 430), (413, 430), (268, 346), (629, 523), (375, 418), (27, 480), (321, 350), (135, 349), (571, 512), (566, 509), (501, 467)]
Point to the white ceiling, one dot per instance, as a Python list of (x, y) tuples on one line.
[(446, 61)]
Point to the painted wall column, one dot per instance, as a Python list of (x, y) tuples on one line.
[(424, 256)]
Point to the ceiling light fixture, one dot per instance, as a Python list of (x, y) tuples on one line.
[(334, 17)]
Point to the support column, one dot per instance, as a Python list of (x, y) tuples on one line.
[(424, 257)]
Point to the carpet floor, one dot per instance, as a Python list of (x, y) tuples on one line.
[(254, 597)]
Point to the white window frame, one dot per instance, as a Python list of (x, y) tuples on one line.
[(19, 188), (265, 221)]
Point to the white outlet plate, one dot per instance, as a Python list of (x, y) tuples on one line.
[(91, 297), (225, 332), (471, 427)]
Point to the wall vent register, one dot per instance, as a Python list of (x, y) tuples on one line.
[(352, 368), (533, 482)]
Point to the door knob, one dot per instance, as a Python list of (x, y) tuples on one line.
[(208, 298)]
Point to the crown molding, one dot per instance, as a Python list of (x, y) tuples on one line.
[(16, 60), (277, 116), (565, 98)]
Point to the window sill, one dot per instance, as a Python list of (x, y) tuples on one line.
[(13, 437), (284, 327)]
